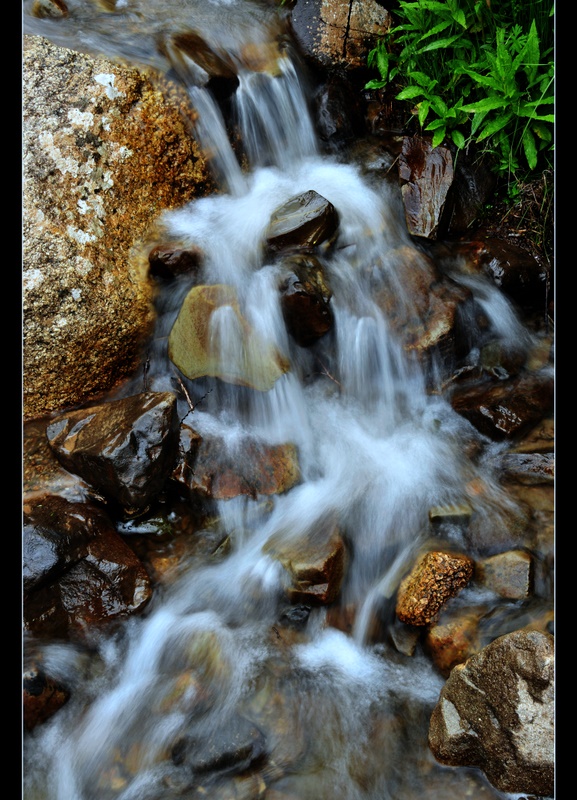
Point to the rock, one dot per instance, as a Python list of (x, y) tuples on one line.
[(508, 574), (303, 223), (426, 310), (338, 33), (232, 351), (452, 641), (496, 713), (51, 9), (315, 562), (231, 747), (42, 696), (512, 269), (167, 261), (125, 448), (305, 300), (538, 439), (43, 474), (79, 573), (210, 467), (426, 175), (435, 579), (337, 111), (527, 468), (508, 408), (473, 186), (105, 151)]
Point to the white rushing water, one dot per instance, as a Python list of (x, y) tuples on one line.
[(376, 452)]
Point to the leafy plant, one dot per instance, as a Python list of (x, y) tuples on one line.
[(474, 75)]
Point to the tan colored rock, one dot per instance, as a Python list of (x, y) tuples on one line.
[(435, 578), (244, 359), (339, 32), (316, 562), (105, 151)]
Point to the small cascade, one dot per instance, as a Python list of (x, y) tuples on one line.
[(376, 451)]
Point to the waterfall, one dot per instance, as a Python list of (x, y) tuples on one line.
[(376, 452)]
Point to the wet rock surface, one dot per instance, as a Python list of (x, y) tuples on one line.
[(78, 572), (125, 449)]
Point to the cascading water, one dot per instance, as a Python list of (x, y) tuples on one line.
[(376, 451)]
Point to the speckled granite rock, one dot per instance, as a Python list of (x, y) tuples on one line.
[(105, 150)]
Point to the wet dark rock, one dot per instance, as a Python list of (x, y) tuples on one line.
[(212, 468), (304, 222), (511, 268), (473, 186), (435, 579), (425, 174), (168, 261), (192, 57), (506, 409), (496, 712), (305, 300), (42, 696), (125, 448), (54, 538), (231, 747), (295, 616), (78, 571), (44, 474)]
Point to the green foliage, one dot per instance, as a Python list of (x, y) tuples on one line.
[(471, 73)]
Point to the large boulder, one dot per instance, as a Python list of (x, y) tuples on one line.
[(106, 148)]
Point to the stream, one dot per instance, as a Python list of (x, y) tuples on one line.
[(340, 716)]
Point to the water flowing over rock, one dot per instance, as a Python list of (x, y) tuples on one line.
[(211, 337), (496, 712), (209, 468), (305, 300), (316, 563)]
